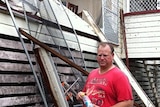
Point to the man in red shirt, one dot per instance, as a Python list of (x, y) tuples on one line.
[(107, 86)]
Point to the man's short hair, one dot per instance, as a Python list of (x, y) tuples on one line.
[(106, 43)]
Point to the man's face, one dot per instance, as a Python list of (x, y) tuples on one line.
[(104, 56)]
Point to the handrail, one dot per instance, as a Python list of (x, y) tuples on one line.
[(36, 41)]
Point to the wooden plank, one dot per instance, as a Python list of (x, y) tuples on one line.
[(7, 66), (143, 35), (90, 56), (143, 45), (145, 50), (51, 78), (142, 55), (143, 40), (14, 44), (18, 79), (140, 30), (74, 45), (77, 61), (68, 79), (6, 90), (11, 101), (9, 55), (142, 18), (68, 70), (75, 53), (151, 23), (141, 74), (91, 64)]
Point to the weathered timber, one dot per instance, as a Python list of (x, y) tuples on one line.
[(11, 90), (15, 67), (20, 100), (6, 78), (10, 55), (14, 44)]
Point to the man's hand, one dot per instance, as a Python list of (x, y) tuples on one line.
[(79, 95)]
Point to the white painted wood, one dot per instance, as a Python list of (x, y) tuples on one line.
[(7, 27), (140, 55), (143, 35), (53, 79), (145, 50), (149, 40), (141, 30), (141, 24), (144, 44), (142, 18), (62, 18)]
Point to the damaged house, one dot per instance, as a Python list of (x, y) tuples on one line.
[(48, 47)]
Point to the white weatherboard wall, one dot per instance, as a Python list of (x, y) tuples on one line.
[(143, 35)]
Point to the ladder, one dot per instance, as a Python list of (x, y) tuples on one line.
[(120, 63)]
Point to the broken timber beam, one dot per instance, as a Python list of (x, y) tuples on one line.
[(50, 75)]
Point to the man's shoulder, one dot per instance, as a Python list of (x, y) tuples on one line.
[(118, 71)]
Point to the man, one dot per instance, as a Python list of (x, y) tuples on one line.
[(107, 86)]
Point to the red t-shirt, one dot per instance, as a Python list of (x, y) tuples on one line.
[(109, 88)]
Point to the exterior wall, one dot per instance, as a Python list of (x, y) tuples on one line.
[(18, 86), (143, 35), (93, 7)]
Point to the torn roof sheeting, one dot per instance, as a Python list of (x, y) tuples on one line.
[(21, 5), (48, 9)]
